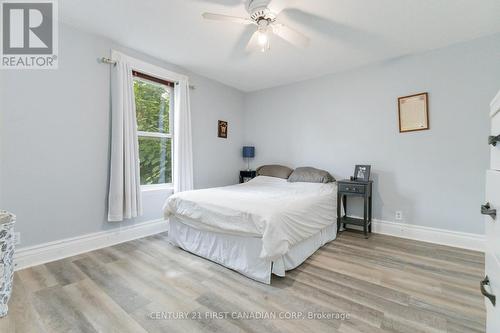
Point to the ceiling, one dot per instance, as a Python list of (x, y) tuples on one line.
[(344, 33)]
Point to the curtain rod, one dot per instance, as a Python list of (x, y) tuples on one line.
[(109, 61)]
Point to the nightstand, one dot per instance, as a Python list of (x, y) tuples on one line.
[(352, 188), (246, 175)]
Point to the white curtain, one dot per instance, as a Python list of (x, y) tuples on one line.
[(124, 200), (183, 151)]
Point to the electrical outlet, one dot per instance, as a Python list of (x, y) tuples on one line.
[(17, 238), (399, 215)]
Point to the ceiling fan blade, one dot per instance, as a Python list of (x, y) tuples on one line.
[(293, 37), (219, 17), (277, 6), (253, 43), (227, 3)]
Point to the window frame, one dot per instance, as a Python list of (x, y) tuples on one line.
[(162, 73), (169, 86)]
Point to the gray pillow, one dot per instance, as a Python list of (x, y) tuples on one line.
[(277, 171), (310, 175)]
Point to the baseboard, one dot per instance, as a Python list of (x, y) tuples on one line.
[(432, 235), (51, 251)]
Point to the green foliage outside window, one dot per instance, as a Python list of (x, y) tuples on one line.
[(154, 169), (153, 115)]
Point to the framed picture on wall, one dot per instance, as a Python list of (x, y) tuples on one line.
[(413, 113), (222, 129)]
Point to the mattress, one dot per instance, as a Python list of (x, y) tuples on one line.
[(280, 213)]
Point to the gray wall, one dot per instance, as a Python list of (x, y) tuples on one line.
[(54, 135), (54, 141), (435, 177)]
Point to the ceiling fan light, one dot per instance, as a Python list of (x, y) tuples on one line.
[(265, 48), (263, 39)]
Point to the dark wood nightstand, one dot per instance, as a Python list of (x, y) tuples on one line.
[(246, 175), (352, 188)]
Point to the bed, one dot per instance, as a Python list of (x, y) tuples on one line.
[(265, 226)]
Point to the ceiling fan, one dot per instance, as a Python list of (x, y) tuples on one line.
[(267, 23)]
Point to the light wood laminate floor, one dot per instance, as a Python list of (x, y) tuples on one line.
[(385, 284)]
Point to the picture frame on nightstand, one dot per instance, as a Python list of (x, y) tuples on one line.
[(362, 173)]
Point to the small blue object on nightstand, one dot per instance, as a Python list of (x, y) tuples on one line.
[(248, 153)]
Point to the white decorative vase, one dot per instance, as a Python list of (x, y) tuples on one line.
[(7, 221)]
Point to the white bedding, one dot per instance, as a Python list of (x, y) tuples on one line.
[(281, 213)]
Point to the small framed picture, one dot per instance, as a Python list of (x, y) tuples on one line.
[(413, 113), (222, 129), (362, 173)]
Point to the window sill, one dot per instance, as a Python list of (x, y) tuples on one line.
[(161, 187)]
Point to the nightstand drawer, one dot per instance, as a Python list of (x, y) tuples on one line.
[(351, 188)]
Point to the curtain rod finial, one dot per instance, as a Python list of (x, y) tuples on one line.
[(105, 60)]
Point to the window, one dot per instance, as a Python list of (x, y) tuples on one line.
[(153, 101)]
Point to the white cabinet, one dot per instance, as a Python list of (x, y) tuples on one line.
[(495, 132), (491, 287), (492, 271), (492, 224)]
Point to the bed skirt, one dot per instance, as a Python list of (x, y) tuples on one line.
[(241, 253)]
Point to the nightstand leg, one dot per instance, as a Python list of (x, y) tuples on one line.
[(365, 217), (344, 203), (339, 199), (370, 213)]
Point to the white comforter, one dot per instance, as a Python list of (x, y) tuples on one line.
[(282, 213)]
